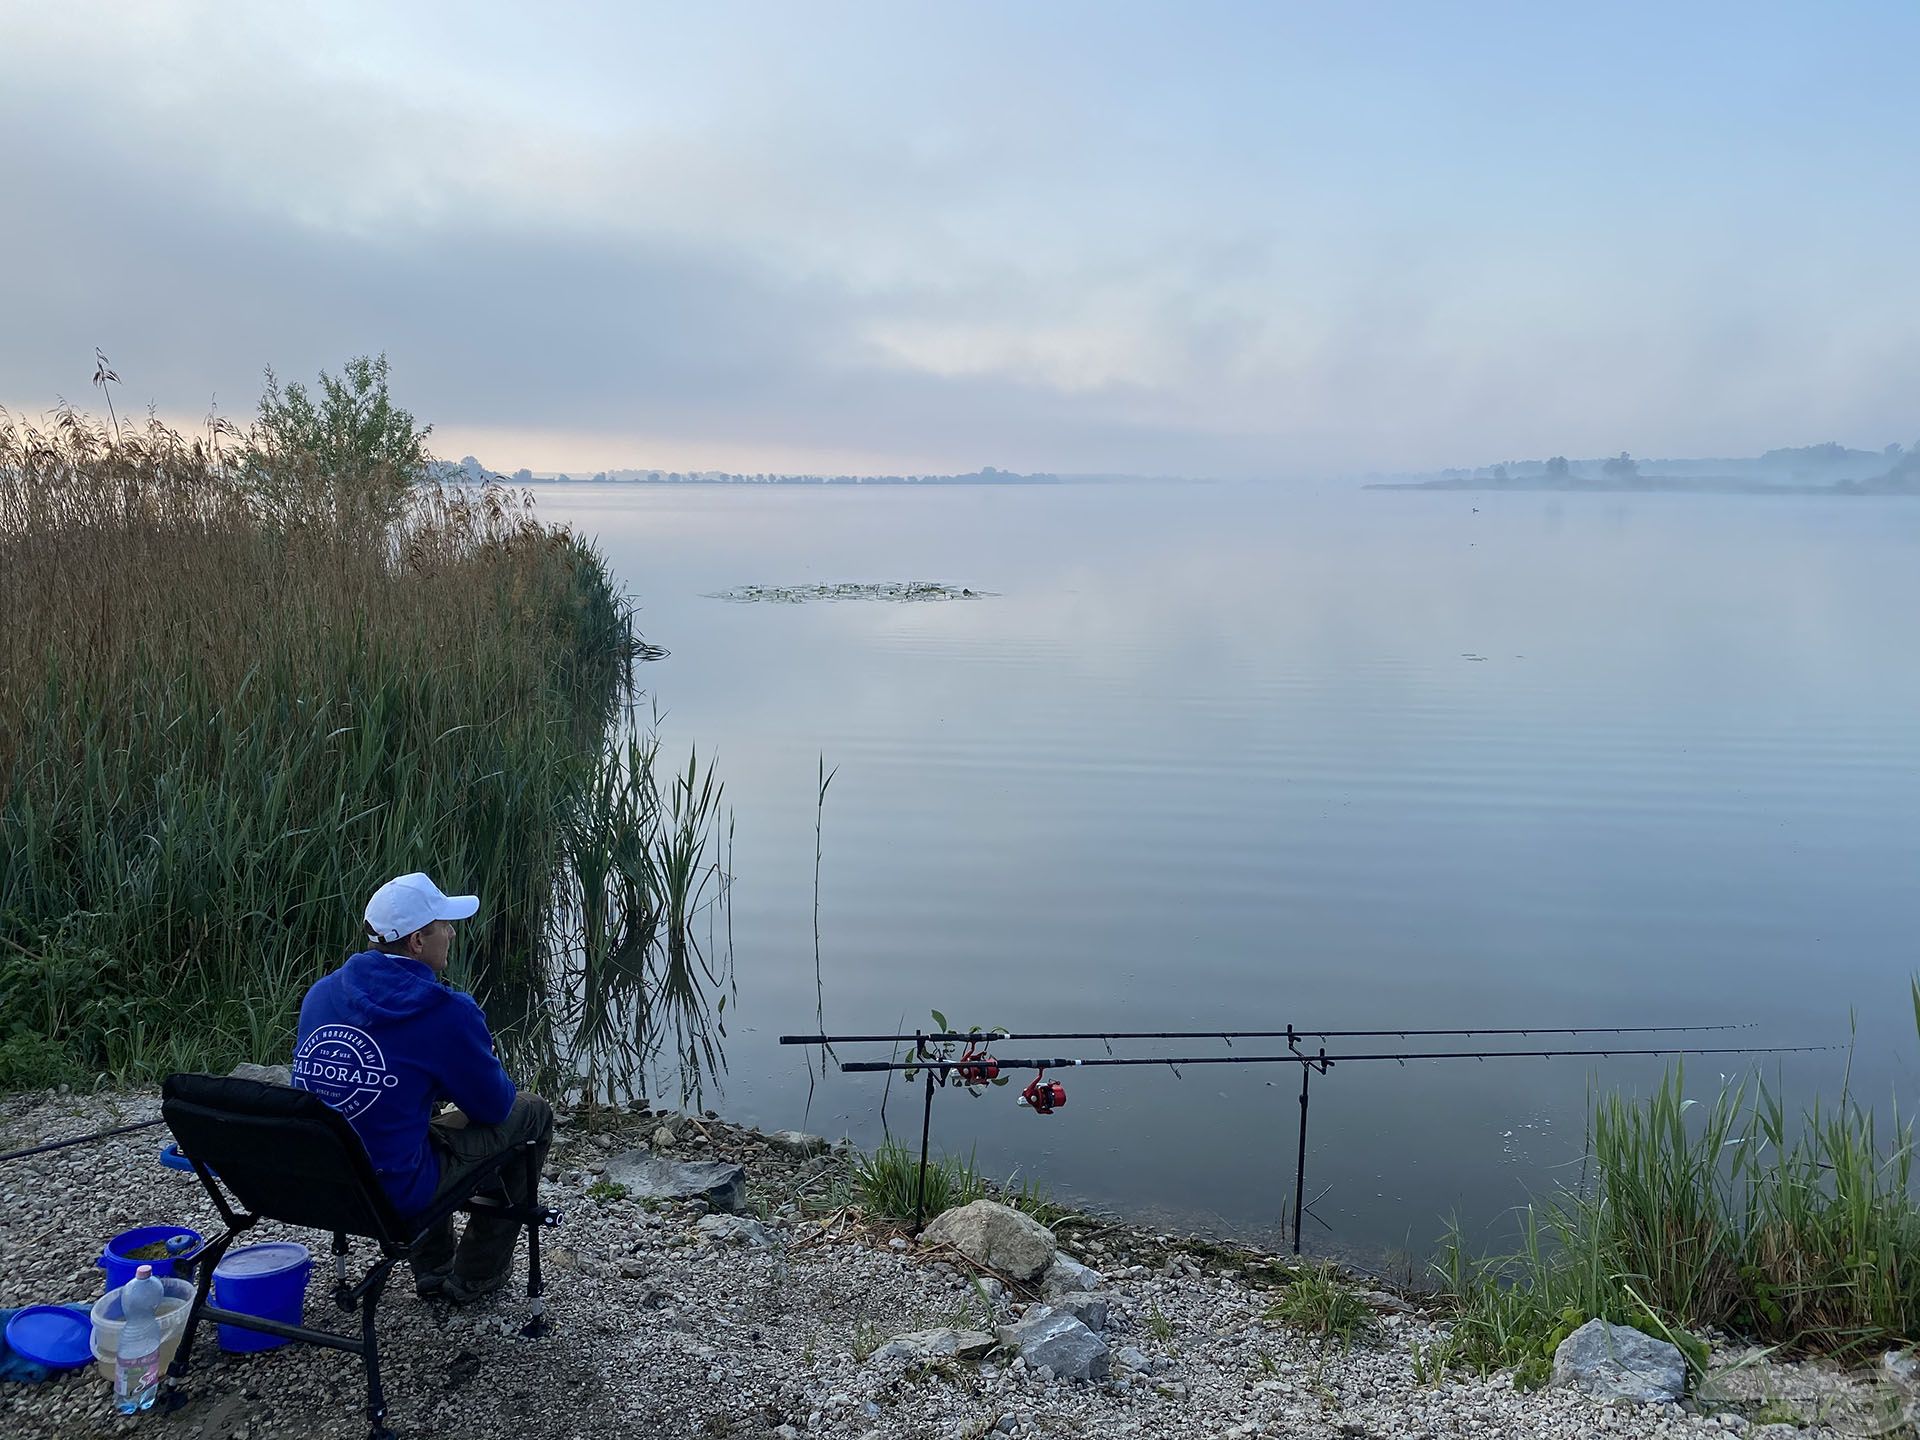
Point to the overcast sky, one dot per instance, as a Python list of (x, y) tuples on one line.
[(1255, 239)]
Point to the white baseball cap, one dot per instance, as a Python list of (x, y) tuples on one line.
[(413, 902)]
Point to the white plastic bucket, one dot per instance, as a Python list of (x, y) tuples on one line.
[(108, 1321)]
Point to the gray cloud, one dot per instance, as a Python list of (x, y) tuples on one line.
[(1019, 277)]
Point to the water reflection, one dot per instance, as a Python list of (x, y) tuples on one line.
[(1215, 756), (627, 991)]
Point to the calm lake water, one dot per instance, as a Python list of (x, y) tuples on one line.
[(1241, 756)]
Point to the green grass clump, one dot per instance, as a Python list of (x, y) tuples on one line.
[(246, 677), (1703, 1214), (1315, 1301), (886, 1182)]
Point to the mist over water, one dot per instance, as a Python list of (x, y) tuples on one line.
[(1241, 756)]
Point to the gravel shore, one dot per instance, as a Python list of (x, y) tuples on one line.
[(658, 1330)]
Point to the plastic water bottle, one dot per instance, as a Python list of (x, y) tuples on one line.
[(136, 1366)]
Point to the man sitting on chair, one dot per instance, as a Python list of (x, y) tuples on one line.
[(383, 1040)]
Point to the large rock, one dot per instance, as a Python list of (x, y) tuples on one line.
[(1615, 1362), (996, 1236), (945, 1342), (720, 1183), (1053, 1338)]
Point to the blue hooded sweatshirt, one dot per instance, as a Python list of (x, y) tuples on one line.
[(381, 1040)]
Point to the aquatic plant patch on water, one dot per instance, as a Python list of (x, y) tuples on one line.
[(906, 590)]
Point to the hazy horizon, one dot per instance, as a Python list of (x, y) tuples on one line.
[(1212, 241)]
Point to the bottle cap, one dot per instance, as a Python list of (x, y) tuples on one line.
[(143, 1272)]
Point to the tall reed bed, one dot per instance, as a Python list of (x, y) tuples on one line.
[(1727, 1213), (247, 676)]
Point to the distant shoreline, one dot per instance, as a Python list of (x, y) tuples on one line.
[(1653, 485)]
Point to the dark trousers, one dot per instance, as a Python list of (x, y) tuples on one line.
[(486, 1248)]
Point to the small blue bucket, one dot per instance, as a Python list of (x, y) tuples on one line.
[(121, 1267), (265, 1280)]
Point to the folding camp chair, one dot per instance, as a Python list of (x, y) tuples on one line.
[(287, 1155)]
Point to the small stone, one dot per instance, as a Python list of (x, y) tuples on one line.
[(713, 1183), (1066, 1275), (1089, 1307), (1616, 1362), (1051, 1340), (735, 1230), (797, 1143), (996, 1236), (935, 1344), (265, 1074), (1386, 1300)]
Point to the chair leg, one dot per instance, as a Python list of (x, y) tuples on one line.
[(207, 1258), (376, 1397), (536, 1325), (342, 1291)]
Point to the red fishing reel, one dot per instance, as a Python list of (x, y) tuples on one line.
[(1043, 1095), (977, 1067)]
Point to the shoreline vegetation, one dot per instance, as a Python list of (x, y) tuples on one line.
[(251, 673), (1727, 1215)]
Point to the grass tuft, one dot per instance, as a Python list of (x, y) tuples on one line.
[(1316, 1302), (1718, 1214), (886, 1182)]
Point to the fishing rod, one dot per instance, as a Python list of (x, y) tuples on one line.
[(1298, 1056), (974, 1064), (80, 1140), (1289, 1034), (977, 1067)]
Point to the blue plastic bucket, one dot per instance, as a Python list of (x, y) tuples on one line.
[(265, 1280), (120, 1267)]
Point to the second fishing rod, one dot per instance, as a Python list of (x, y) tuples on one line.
[(977, 1067)]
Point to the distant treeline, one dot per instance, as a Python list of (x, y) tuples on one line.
[(472, 471), (1831, 468)]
